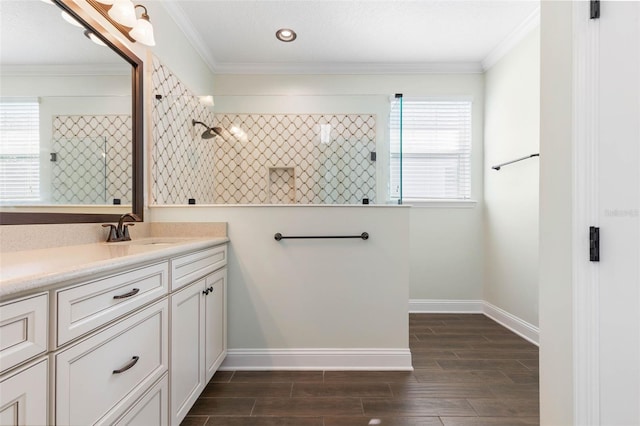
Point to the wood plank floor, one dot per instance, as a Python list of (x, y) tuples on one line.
[(468, 370)]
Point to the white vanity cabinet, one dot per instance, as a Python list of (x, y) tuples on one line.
[(198, 335), (134, 345), (23, 337)]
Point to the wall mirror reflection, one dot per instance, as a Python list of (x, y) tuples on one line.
[(66, 114)]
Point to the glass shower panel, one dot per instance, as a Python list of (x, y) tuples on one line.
[(79, 171), (395, 150)]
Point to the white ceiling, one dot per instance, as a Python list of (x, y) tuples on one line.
[(33, 33), (237, 36)]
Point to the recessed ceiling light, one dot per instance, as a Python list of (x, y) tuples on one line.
[(286, 35)]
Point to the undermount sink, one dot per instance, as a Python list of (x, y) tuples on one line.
[(154, 242)]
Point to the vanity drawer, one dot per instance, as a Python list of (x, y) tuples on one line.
[(189, 268), (87, 306), (23, 330), (100, 377)]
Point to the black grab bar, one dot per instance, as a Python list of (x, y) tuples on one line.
[(514, 161), (279, 236)]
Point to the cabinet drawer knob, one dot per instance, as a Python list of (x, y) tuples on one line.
[(210, 289), (205, 291), (133, 362), (131, 293)]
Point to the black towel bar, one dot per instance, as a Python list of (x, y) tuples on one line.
[(278, 236), (514, 161)]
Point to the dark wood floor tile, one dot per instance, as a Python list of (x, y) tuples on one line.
[(424, 362), (435, 353), (515, 391), (444, 338), (504, 407), (439, 345), (533, 365), (468, 329), (481, 364), (509, 338), (249, 390), (486, 377), (480, 354), (439, 390), (523, 376), (222, 407), (194, 421), (221, 377), (372, 390), (490, 421), (423, 329), (369, 376), (382, 421), (265, 421), (307, 407), (504, 346), (416, 407), (277, 376)]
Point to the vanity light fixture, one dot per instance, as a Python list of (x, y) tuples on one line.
[(70, 19), (143, 30), (286, 35), (94, 38), (122, 14)]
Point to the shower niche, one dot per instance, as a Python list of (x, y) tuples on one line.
[(282, 185)]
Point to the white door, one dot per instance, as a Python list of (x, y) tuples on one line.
[(618, 201)]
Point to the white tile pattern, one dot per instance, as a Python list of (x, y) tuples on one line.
[(93, 159), (235, 168)]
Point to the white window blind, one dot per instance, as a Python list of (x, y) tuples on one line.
[(19, 151), (436, 150)]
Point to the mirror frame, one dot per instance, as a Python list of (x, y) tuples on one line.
[(137, 160)]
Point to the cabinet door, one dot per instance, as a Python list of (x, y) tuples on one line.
[(216, 321), (187, 348), (151, 409), (23, 396)]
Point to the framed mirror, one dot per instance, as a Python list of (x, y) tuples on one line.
[(71, 117)]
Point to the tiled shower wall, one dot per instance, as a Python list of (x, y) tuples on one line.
[(260, 158), (182, 162), (335, 171), (92, 159)]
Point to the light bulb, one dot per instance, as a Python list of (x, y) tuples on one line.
[(143, 32), (123, 13), (106, 1), (70, 19)]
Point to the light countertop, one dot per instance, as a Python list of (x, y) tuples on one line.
[(29, 271)]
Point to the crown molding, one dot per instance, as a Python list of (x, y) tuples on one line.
[(516, 36), (65, 70), (178, 15), (353, 68)]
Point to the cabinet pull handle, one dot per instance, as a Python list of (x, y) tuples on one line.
[(131, 293), (133, 362), (210, 289), (205, 291)]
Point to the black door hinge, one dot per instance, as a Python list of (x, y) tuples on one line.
[(595, 9), (594, 244)]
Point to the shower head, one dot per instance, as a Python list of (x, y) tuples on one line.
[(211, 132)]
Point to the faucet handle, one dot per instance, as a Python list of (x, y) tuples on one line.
[(113, 233), (125, 232)]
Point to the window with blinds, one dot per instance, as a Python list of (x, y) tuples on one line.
[(19, 151), (436, 150)]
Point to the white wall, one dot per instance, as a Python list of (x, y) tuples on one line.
[(445, 243), (512, 123), (312, 293), (556, 194)]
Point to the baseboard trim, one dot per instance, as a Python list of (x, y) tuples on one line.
[(519, 326), (318, 359), (417, 306)]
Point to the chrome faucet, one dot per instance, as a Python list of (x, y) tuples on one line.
[(121, 231)]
